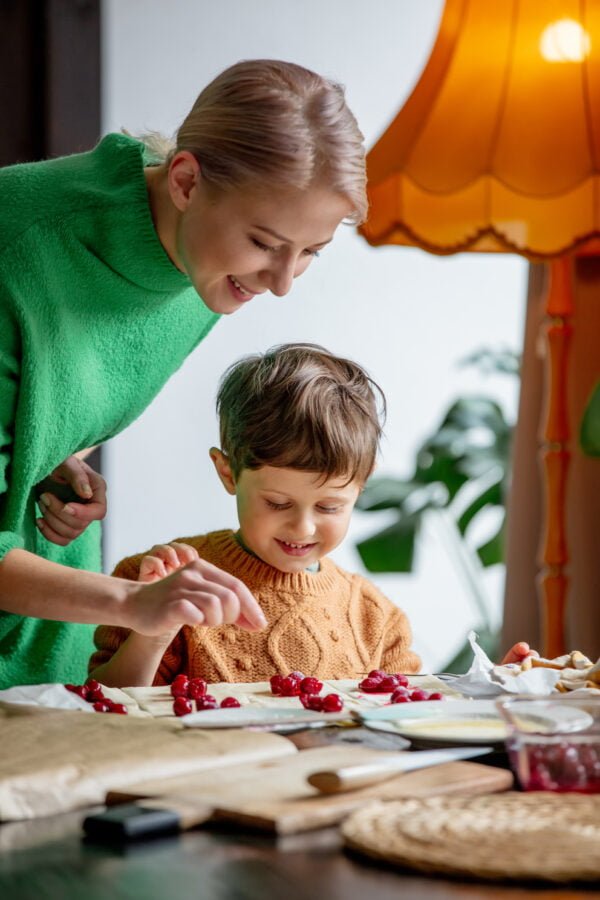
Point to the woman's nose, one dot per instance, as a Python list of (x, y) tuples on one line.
[(281, 276)]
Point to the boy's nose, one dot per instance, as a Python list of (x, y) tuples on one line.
[(304, 526)]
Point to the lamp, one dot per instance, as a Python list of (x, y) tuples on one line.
[(498, 150)]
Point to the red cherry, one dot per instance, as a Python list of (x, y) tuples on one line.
[(81, 691), (180, 688), (435, 695), (419, 694), (230, 703), (311, 686), (378, 674), (101, 706), (94, 696), (206, 702), (289, 687), (332, 703), (401, 679), (182, 706), (400, 697), (315, 703), (275, 682), (119, 708), (297, 675), (370, 685), (94, 685), (389, 683), (181, 676), (197, 687)]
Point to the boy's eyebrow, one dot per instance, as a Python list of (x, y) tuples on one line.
[(285, 240)]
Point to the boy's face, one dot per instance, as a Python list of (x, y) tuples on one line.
[(289, 518)]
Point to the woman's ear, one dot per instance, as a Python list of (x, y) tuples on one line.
[(221, 464), (183, 175)]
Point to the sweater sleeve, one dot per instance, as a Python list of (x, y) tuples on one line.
[(396, 655), (9, 390)]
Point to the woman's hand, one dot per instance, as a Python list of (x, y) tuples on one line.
[(196, 594), (62, 522), (164, 559), (518, 652)]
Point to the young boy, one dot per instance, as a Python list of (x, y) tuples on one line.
[(299, 431)]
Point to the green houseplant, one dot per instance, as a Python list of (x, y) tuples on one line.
[(461, 470)]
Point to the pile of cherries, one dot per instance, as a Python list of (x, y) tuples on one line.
[(308, 691), (380, 682), (185, 689), (562, 766), (92, 693)]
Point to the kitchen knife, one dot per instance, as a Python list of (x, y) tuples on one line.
[(353, 777)]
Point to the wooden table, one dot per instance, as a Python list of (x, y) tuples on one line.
[(47, 858)]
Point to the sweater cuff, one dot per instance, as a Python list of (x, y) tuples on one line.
[(10, 540)]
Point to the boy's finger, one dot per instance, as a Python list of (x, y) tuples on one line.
[(167, 554), (184, 552), (154, 564)]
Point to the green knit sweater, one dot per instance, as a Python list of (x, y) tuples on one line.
[(94, 318)]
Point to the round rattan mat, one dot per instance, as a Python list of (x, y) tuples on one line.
[(552, 837)]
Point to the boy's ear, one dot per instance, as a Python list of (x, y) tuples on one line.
[(183, 175), (221, 464)]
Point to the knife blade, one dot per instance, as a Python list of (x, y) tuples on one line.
[(352, 777)]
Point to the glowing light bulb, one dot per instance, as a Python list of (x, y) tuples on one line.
[(565, 41)]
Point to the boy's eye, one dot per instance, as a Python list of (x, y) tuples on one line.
[(273, 505), (328, 509)]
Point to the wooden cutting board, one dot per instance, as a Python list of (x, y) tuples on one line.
[(274, 795)]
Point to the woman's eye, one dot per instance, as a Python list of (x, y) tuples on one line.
[(315, 253), (262, 246)]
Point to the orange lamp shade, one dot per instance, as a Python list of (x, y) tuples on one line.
[(498, 146)]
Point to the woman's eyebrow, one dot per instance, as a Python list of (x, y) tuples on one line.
[(285, 240)]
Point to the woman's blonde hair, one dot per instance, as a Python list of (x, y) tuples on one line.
[(299, 406), (264, 121)]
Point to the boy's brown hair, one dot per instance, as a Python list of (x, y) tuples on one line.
[(299, 406)]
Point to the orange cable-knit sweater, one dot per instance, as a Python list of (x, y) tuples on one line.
[(330, 624)]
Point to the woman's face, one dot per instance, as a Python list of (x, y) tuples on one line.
[(237, 244)]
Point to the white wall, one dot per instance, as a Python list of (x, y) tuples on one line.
[(407, 316)]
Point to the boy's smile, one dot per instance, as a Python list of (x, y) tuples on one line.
[(289, 518)]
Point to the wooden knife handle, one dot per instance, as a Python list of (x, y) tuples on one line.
[(353, 777)]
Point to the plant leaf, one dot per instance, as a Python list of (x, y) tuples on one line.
[(492, 552), (589, 435), (384, 493), (492, 496), (391, 550)]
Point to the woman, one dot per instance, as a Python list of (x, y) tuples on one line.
[(114, 265)]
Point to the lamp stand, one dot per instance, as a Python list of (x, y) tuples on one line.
[(555, 457)]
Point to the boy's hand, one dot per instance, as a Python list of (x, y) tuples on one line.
[(197, 594), (62, 522), (164, 559), (518, 652)]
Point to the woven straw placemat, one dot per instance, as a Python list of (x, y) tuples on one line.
[(537, 835)]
